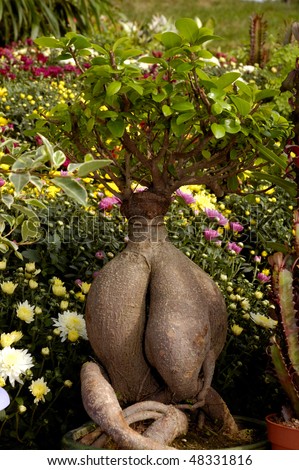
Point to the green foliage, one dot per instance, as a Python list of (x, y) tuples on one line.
[(20, 20)]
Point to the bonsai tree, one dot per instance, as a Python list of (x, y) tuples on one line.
[(155, 320)]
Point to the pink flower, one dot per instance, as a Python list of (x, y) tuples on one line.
[(257, 259), (263, 278), (214, 214), (236, 226), (188, 198), (232, 246), (210, 234), (100, 254), (107, 203), (2, 182)]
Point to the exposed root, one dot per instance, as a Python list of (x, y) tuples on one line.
[(101, 404)]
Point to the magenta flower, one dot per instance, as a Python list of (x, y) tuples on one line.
[(263, 278), (236, 226), (188, 198), (210, 234), (107, 203), (100, 254), (232, 246), (214, 214), (2, 182), (257, 259)]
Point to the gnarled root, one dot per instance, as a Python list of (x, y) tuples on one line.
[(103, 407)]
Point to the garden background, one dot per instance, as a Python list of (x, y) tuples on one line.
[(52, 244)]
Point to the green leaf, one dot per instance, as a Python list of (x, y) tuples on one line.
[(136, 87), (113, 88), (242, 106), (170, 39), (36, 182), (45, 41), (227, 79), (185, 117), (19, 180), (7, 199), (90, 124), (29, 230), (232, 126), (182, 106), (166, 110), (187, 28), (86, 168), (72, 188), (117, 127), (58, 158), (36, 203), (270, 156), (287, 185), (265, 94), (233, 183), (153, 60), (218, 130), (246, 89)]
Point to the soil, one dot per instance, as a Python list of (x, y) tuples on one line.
[(292, 423), (209, 437)]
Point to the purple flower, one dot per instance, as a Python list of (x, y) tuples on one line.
[(214, 214), (2, 182), (4, 399), (78, 282), (107, 203), (232, 246), (263, 278), (210, 234), (236, 226), (188, 198), (257, 259), (100, 254)]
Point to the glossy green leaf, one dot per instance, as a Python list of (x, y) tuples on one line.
[(233, 183), (117, 127), (246, 89), (29, 230), (287, 185), (182, 106), (242, 105), (36, 203), (227, 79), (45, 41), (86, 168), (19, 180), (167, 111), (271, 157), (266, 94), (187, 28), (170, 39), (58, 158), (72, 188), (7, 199), (218, 130), (232, 126), (185, 117), (113, 88)]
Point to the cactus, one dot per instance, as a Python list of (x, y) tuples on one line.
[(285, 349)]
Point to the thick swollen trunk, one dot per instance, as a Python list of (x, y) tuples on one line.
[(156, 321)]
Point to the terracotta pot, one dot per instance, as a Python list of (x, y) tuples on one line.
[(70, 439), (281, 437)]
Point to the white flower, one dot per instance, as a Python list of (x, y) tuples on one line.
[(263, 321), (25, 312), (14, 363), (70, 322)]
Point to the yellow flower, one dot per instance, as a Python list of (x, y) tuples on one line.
[(64, 304), (3, 264), (2, 382), (73, 335), (30, 267), (45, 351), (245, 304), (8, 287), (57, 282), (7, 339), (33, 284), (85, 286), (39, 389), (52, 191), (80, 296), (3, 91), (38, 310), (258, 295), (25, 312), (59, 290), (236, 329), (68, 383), (263, 321), (3, 121), (22, 409)]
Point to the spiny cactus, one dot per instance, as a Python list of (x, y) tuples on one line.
[(257, 31), (285, 349)]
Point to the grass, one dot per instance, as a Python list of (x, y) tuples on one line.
[(231, 17)]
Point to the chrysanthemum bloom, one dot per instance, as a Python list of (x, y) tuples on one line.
[(107, 203), (236, 329), (85, 286), (25, 312), (8, 287), (100, 254), (73, 336), (64, 304), (68, 383), (70, 321), (30, 267), (245, 304), (59, 290), (263, 321), (188, 198), (232, 246), (236, 226), (2, 182), (33, 284), (210, 234), (3, 264), (263, 278), (214, 214), (14, 363), (39, 389), (7, 339), (4, 399)]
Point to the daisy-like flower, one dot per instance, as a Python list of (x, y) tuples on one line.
[(188, 198), (58, 287), (263, 321), (69, 323), (85, 286), (25, 312), (7, 339), (39, 389), (14, 363), (8, 287)]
